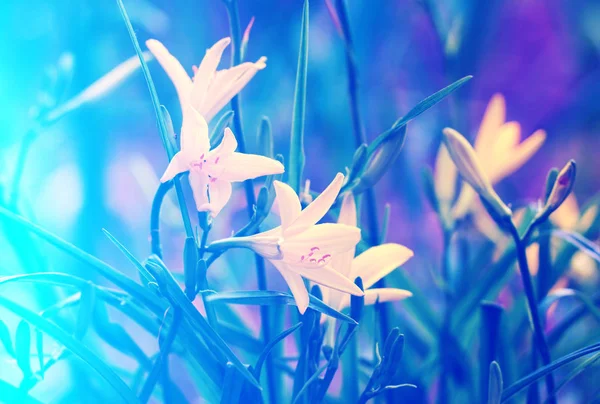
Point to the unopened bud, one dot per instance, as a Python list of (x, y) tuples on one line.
[(563, 184), (466, 161)]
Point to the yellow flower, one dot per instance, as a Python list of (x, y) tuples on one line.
[(500, 153)]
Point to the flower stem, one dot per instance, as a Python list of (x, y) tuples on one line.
[(445, 329), (538, 331), (159, 197), (236, 59), (360, 138)]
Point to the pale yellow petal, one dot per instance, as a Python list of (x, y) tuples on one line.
[(178, 164), (494, 116), (241, 167), (318, 208), (378, 261), (205, 74), (296, 285), (181, 80), (194, 135), (327, 276), (348, 210), (287, 202), (521, 154), (445, 175)]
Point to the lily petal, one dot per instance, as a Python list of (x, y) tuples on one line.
[(327, 276), (445, 175), (227, 84), (227, 146), (348, 210), (319, 207), (493, 118), (205, 75), (325, 239), (179, 164), (522, 153), (378, 261), (380, 295), (194, 134), (181, 80), (241, 167), (219, 192), (288, 203), (296, 285)]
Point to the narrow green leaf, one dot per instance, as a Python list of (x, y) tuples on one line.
[(163, 131), (171, 134), (86, 311), (582, 367), (6, 339), (119, 279), (270, 346), (266, 297), (495, 384), (23, 348), (218, 131), (265, 137), (579, 241), (543, 371), (418, 110), (143, 271), (198, 322), (296, 162), (73, 345)]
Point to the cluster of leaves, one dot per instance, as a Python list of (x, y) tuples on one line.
[(165, 310)]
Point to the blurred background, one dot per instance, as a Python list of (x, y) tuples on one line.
[(98, 167)]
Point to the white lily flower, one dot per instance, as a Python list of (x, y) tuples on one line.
[(209, 90), (301, 248), (213, 171), (372, 265)]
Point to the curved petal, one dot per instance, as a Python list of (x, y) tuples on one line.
[(205, 74), (319, 242), (464, 202), (219, 192), (199, 184), (493, 117), (296, 285), (348, 210), (327, 276), (227, 146), (194, 134), (380, 295), (181, 80), (178, 164), (241, 167), (227, 84), (501, 151), (287, 202), (378, 261), (319, 207), (522, 153), (445, 175)]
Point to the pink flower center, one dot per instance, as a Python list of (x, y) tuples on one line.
[(315, 257)]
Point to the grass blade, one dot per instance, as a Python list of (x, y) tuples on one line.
[(296, 162), (72, 345), (23, 348), (269, 347)]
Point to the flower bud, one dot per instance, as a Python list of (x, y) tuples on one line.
[(466, 161), (563, 184)]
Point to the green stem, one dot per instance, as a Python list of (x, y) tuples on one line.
[(538, 331), (359, 139), (236, 59), (162, 190)]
